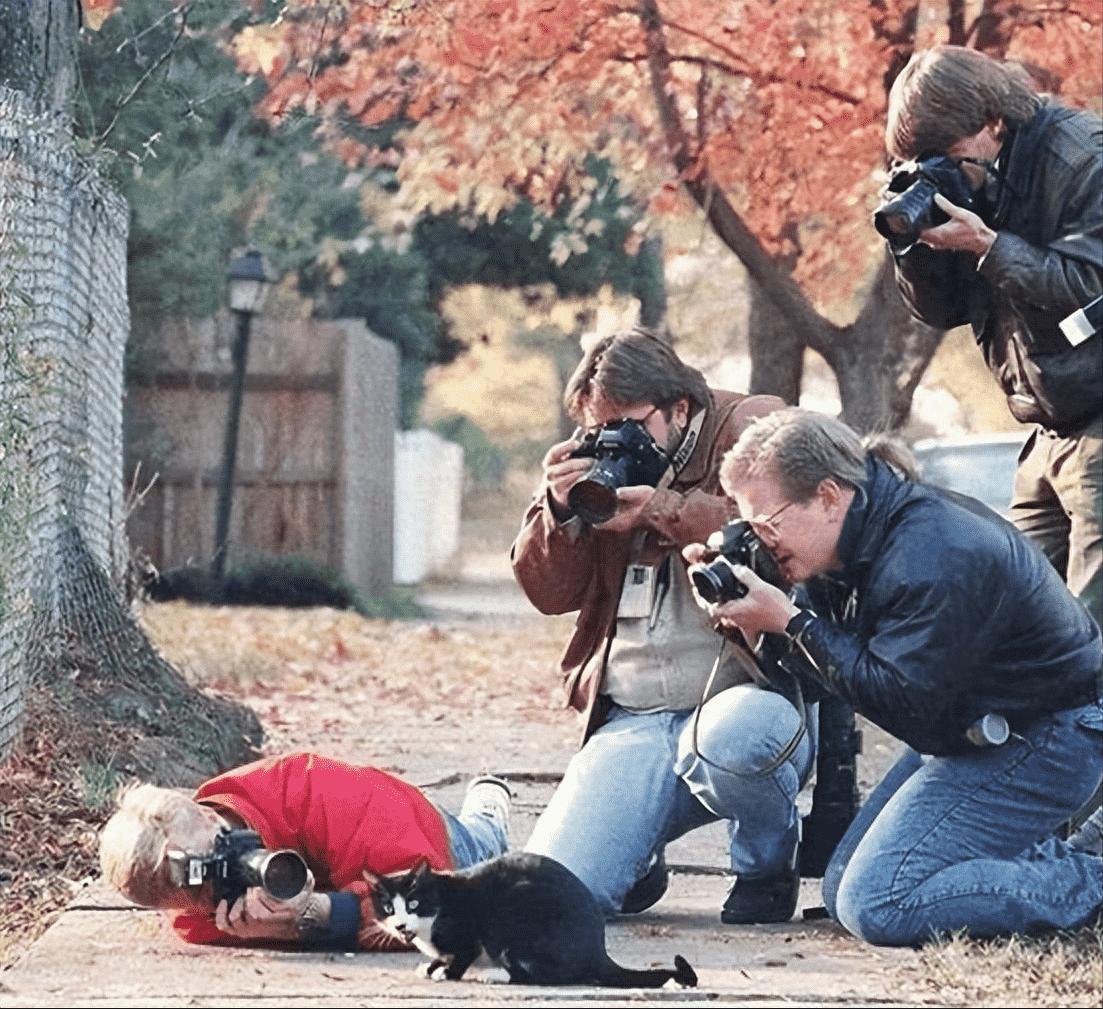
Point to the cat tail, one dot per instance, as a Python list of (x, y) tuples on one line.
[(613, 975)]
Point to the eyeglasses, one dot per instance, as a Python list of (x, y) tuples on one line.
[(642, 421), (768, 523)]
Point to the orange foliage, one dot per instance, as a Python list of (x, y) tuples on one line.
[(781, 102), (95, 12)]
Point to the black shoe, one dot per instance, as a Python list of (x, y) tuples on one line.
[(763, 899), (648, 889)]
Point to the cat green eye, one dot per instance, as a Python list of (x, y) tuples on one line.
[(412, 905)]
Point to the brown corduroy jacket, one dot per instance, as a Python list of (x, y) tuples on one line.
[(563, 567)]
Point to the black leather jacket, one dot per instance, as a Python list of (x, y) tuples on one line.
[(943, 612), (1047, 261)]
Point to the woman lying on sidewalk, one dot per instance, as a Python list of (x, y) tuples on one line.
[(340, 818)]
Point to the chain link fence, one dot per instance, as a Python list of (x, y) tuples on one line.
[(63, 330)]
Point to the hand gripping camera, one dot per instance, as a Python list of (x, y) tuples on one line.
[(835, 799), (736, 543), (624, 455), (912, 209), (239, 862)]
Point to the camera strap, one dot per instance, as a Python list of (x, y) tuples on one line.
[(786, 751), (685, 449)]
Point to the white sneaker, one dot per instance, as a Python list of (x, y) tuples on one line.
[(490, 797)]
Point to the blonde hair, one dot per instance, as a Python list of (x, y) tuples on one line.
[(134, 841), (948, 93), (802, 449)]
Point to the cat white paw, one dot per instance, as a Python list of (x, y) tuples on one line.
[(495, 975), (432, 970)]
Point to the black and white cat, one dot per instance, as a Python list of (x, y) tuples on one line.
[(529, 915)]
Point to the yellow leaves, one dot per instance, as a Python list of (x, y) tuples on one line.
[(96, 12), (567, 244), (259, 49), (633, 242)]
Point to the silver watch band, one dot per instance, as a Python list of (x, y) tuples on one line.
[(308, 923)]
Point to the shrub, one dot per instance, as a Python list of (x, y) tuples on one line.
[(279, 581)]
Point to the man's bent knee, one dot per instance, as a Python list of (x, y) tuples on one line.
[(746, 729)]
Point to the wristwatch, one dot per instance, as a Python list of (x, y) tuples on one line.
[(798, 623), (308, 923)]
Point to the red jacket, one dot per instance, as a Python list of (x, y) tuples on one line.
[(342, 819)]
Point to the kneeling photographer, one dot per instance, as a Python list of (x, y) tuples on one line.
[(275, 851), (941, 623), (603, 536), (1000, 225)]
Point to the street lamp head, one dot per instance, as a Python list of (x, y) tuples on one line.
[(250, 283)]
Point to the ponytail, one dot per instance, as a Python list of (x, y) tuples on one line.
[(892, 451)]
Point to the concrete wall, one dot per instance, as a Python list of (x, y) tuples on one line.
[(428, 494), (315, 449)]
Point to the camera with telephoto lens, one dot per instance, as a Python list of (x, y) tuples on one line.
[(624, 455), (238, 862), (912, 209), (736, 543)]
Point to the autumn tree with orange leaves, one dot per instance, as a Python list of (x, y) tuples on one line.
[(768, 115)]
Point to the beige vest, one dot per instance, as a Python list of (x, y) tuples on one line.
[(661, 662)]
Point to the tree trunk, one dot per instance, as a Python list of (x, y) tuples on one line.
[(777, 350), (38, 40), (878, 359), (649, 284)]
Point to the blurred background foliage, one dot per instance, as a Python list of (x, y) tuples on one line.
[(171, 120)]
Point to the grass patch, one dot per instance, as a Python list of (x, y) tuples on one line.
[(1063, 969), (99, 783)]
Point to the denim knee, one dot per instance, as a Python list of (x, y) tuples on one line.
[(745, 729), (739, 749), (871, 917), (832, 879)]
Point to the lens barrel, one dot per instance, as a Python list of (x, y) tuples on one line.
[(594, 497), (283, 873), (716, 582), (904, 217)]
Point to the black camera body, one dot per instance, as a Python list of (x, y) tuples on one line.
[(912, 209), (736, 542), (238, 862), (625, 455)]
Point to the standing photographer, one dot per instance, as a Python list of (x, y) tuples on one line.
[(941, 623), (1028, 257), (641, 652), (343, 820)]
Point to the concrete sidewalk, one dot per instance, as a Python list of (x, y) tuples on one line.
[(102, 951)]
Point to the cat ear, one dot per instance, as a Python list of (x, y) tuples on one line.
[(371, 879)]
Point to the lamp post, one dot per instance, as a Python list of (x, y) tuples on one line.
[(250, 283)]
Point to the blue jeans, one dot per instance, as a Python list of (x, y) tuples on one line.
[(623, 796), (474, 837), (946, 843)]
